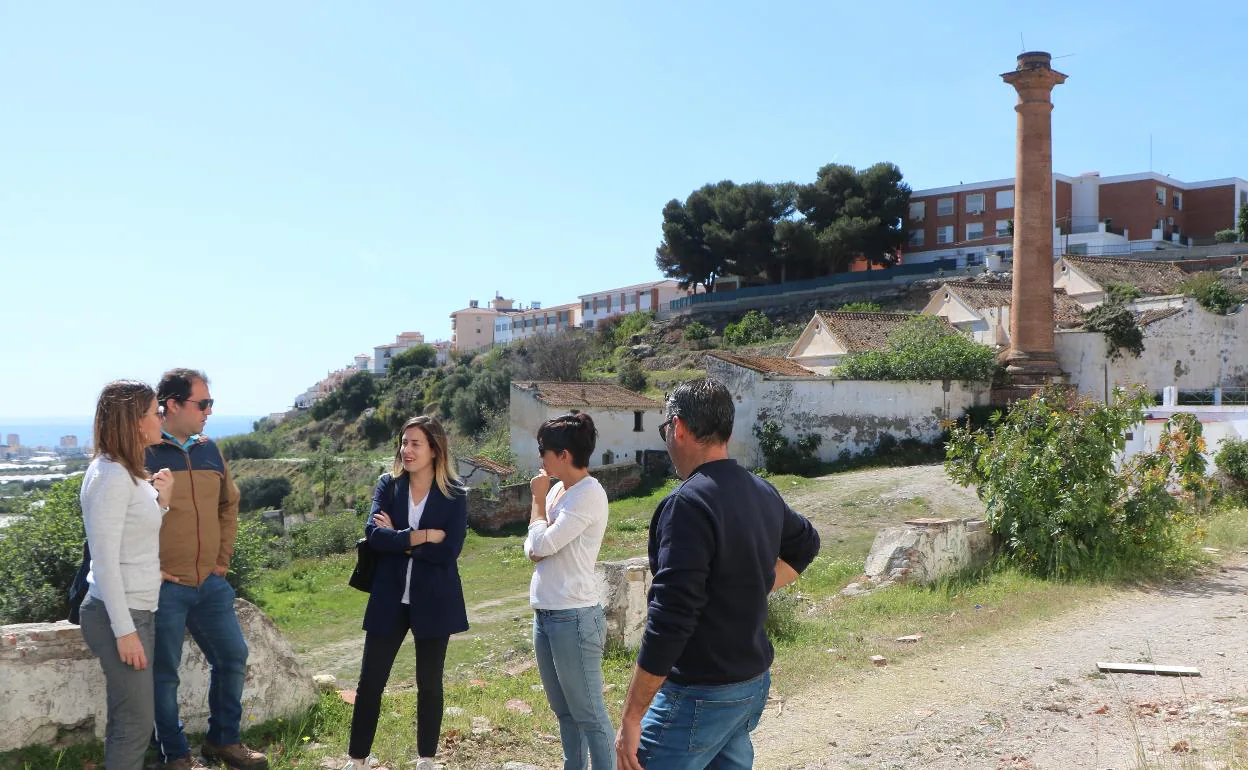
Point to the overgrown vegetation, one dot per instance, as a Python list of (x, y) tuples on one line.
[(753, 328), (1047, 475), (696, 331), (1232, 463), (1212, 293), (39, 553), (1115, 319), (780, 455), (922, 348), (860, 307)]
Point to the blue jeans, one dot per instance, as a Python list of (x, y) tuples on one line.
[(696, 726), (568, 644), (208, 612)]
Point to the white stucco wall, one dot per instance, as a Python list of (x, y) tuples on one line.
[(816, 349), (1217, 424), (851, 415), (1192, 350), (616, 432)]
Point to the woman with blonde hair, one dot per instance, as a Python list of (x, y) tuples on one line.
[(417, 527), (121, 511)]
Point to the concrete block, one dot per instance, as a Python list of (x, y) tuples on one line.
[(624, 588), (926, 550)]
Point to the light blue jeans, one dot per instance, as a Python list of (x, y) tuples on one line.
[(690, 727), (568, 644)]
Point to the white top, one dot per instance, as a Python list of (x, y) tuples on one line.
[(564, 579), (122, 519), (413, 521)]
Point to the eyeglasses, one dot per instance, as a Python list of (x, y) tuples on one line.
[(663, 426), (160, 412)]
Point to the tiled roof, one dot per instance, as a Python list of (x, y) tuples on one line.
[(587, 395), (764, 364), (1147, 276), (981, 296), (860, 332), (1152, 316), (486, 464)]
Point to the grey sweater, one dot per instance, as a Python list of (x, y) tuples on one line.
[(122, 519)]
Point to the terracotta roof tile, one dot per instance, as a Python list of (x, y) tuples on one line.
[(587, 395), (1148, 276), (1152, 316), (981, 296), (860, 332), (486, 464), (764, 364)]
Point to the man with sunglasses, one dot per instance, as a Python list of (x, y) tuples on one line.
[(719, 544), (196, 543)]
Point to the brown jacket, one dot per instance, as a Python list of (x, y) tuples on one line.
[(197, 534)]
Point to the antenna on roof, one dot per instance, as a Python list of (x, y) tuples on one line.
[(1022, 42)]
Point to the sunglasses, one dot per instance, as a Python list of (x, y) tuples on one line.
[(203, 404), (663, 426)]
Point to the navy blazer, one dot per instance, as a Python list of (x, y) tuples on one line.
[(437, 597)]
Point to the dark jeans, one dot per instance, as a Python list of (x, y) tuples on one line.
[(208, 612), (379, 653), (129, 691)]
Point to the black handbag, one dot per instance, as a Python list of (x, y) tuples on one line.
[(78, 588), (365, 566)]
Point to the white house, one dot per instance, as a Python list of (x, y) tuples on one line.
[(1086, 278), (627, 422), (482, 471), (534, 320), (849, 415), (601, 305), (383, 353), (830, 336), (982, 309)]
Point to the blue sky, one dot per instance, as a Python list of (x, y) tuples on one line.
[(263, 190)]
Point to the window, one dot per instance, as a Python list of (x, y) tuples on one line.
[(586, 307), (975, 231), (1077, 248), (918, 211), (975, 203), (1161, 196), (607, 458), (1178, 201), (1005, 199), (637, 422), (944, 207), (916, 237), (1003, 228), (944, 234), (638, 456)]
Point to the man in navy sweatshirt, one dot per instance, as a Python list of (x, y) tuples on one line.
[(719, 544)]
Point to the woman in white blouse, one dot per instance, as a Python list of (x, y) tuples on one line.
[(121, 510), (565, 533)]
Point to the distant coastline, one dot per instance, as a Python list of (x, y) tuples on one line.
[(47, 431)]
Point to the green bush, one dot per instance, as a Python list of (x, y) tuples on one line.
[(39, 554), (922, 348), (783, 623), (1230, 235), (1232, 459), (753, 328), (631, 375), (783, 456), (860, 307), (1053, 493), (255, 550), (329, 534), (1116, 321), (1212, 293), (244, 448), (262, 492), (628, 325), (696, 331)]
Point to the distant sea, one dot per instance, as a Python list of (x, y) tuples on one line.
[(47, 431)]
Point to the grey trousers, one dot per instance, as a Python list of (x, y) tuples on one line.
[(131, 704)]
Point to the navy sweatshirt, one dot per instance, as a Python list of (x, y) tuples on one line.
[(713, 548)]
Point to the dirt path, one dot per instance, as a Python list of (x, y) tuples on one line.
[(1033, 699)]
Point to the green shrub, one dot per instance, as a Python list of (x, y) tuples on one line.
[(783, 623), (329, 534), (783, 456), (255, 550), (696, 331), (1212, 293), (1117, 322), (628, 325), (262, 492), (922, 348), (1052, 491), (753, 328), (244, 448), (632, 376), (1229, 235), (1232, 459), (860, 307), (39, 554)]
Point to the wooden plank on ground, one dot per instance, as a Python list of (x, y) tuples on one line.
[(1146, 668)]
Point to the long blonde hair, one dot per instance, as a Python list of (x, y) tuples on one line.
[(116, 433), (443, 473)]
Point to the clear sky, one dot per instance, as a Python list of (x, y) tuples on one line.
[(263, 190)]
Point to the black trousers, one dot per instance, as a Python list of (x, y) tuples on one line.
[(380, 651)]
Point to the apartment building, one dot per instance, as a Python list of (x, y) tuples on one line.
[(472, 328), (383, 353), (534, 320), (1091, 215), (601, 305)]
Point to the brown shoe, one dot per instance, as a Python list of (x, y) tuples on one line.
[(236, 756), (183, 763)]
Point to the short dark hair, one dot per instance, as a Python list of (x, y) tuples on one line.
[(574, 433), (176, 384), (705, 407)]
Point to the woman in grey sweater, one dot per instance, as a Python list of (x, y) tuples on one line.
[(121, 510)]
